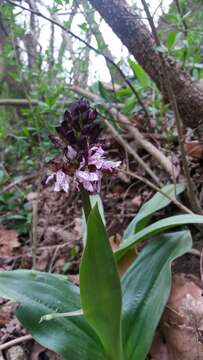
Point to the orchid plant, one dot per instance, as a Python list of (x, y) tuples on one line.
[(110, 317)]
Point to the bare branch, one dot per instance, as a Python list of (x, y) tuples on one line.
[(15, 342)]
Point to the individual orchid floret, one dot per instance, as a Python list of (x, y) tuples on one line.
[(70, 153), (91, 181), (61, 181), (90, 172), (96, 157)]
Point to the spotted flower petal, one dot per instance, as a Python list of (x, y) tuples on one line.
[(86, 176), (71, 153), (89, 180), (110, 165), (96, 158), (61, 181), (50, 177)]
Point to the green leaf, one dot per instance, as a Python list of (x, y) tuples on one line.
[(100, 287), (140, 74), (157, 202), (84, 27), (171, 39), (129, 106), (39, 294), (123, 92), (146, 286), (156, 228), (103, 92), (94, 199)]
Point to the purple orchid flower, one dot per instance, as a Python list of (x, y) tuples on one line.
[(96, 157), (83, 162), (91, 180), (62, 181)]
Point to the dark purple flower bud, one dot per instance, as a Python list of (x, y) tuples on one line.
[(74, 108), (76, 122), (82, 143), (95, 132), (70, 136), (63, 129), (78, 127), (68, 117), (85, 116), (87, 129), (93, 115), (83, 105), (56, 141)]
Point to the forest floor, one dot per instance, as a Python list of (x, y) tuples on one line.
[(55, 240)]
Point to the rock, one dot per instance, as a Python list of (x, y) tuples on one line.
[(182, 321), (16, 353)]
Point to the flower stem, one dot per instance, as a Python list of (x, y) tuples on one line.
[(86, 203)]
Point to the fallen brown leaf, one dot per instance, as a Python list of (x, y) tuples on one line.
[(194, 149), (8, 242)]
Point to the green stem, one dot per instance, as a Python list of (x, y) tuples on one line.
[(86, 203)]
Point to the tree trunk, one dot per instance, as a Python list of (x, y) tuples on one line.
[(31, 37), (137, 38)]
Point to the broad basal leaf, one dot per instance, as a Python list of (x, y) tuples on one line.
[(146, 286), (39, 294), (157, 202), (156, 228), (100, 287), (94, 199)]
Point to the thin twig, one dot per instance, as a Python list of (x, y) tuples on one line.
[(17, 102), (15, 342), (178, 6), (57, 248), (201, 266), (156, 188), (34, 230), (90, 47), (17, 182)]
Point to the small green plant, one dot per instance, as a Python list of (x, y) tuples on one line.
[(107, 318), (17, 210)]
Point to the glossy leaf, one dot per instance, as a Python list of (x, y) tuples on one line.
[(100, 287), (39, 294), (171, 39), (140, 74), (103, 92), (123, 92), (156, 228), (146, 286), (94, 199), (157, 202)]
